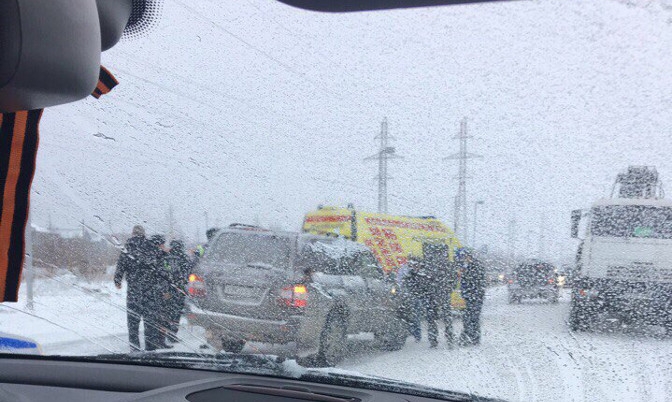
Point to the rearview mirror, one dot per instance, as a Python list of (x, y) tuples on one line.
[(364, 5), (50, 52), (576, 221)]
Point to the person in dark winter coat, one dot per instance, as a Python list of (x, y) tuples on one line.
[(135, 264), (158, 283), (441, 278), (411, 302), (428, 286), (473, 292), (178, 267)]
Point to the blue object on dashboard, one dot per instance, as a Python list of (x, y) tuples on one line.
[(16, 344)]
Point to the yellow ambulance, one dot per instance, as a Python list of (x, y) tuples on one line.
[(391, 238)]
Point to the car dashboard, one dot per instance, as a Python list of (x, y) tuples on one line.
[(34, 379)]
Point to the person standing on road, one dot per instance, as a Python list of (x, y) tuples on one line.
[(431, 279), (473, 292), (158, 283), (178, 269), (411, 302), (134, 265), (201, 248), (441, 280)]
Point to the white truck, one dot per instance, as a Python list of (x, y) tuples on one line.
[(624, 260)]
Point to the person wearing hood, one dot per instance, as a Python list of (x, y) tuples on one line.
[(158, 283), (411, 299), (473, 292), (134, 265), (178, 267)]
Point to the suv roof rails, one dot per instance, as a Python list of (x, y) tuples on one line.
[(244, 226)]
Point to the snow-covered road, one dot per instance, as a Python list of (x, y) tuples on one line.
[(527, 352)]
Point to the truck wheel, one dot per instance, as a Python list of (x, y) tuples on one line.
[(233, 346), (580, 317), (333, 340), (393, 337), (668, 326), (554, 298)]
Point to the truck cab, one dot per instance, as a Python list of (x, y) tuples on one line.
[(623, 261)]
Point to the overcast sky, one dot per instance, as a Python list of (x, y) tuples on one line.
[(255, 111)]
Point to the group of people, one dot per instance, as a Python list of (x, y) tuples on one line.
[(156, 277), (426, 285)]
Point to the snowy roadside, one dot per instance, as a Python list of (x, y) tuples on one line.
[(69, 312), (71, 317)]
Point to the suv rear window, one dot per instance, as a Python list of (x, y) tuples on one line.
[(243, 249), (533, 273)]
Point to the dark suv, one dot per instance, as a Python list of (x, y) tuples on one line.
[(533, 279), (280, 287)]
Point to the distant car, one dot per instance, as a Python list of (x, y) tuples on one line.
[(533, 279), (280, 287)]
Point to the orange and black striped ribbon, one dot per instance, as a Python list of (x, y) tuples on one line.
[(18, 149), (19, 138), (106, 82)]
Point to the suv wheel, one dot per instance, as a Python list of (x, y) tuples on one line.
[(513, 298), (580, 316), (333, 340), (233, 346), (667, 324), (554, 298)]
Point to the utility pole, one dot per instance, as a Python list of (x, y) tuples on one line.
[(171, 224), (473, 234), (385, 153), (512, 239), (542, 236), (461, 223)]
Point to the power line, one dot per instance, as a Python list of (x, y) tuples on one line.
[(269, 56), (256, 49), (207, 89)]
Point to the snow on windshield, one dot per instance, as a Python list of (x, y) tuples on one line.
[(497, 119)]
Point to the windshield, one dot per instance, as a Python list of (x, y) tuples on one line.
[(370, 134), (245, 249), (632, 221)]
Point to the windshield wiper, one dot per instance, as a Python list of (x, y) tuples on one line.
[(276, 366), (225, 362), (384, 384)]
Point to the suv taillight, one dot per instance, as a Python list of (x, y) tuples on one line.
[(551, 281), (196, 286), (294, 296), (510, 281)]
